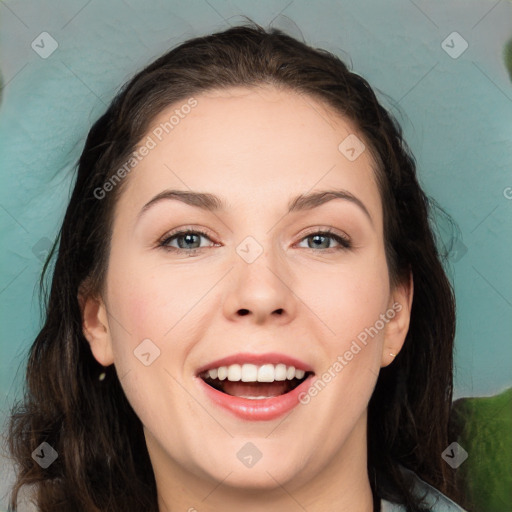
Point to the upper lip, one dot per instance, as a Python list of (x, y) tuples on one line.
[(258, 360)]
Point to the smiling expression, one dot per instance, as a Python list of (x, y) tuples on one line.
[(228, 252)]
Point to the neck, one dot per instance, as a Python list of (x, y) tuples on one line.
[(341, 484)]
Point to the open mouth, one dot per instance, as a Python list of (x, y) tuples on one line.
[(255, 382)]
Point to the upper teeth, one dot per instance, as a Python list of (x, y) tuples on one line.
[(253, 373)]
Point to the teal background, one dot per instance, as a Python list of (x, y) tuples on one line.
[(456, 115)]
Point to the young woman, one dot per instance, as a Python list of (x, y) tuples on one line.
[(248, 310)]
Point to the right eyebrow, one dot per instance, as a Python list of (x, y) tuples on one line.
[(209, 202)]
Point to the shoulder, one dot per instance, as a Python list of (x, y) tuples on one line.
[(433, 500)]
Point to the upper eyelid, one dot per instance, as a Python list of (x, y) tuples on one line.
[(326, 231), (205, 232), (185, 230)]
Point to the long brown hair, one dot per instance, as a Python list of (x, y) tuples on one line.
[(103, 463)]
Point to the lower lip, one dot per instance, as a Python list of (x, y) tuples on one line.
[(264, 409)]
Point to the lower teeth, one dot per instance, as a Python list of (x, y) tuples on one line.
[(219, 386), (254, 397)]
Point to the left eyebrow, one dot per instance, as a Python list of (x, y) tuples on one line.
[(315, 199), (211, 202)]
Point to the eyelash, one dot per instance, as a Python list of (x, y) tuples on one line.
[(343, 241)]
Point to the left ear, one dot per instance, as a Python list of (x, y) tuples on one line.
[(398, 326)]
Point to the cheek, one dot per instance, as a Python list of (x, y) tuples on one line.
[(353, 306), (361, 306), (134, 313), (350, 299), (353, 301), (148, 301), (157, 302), (146, 306)]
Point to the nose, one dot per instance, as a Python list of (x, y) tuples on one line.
[(261, 290)]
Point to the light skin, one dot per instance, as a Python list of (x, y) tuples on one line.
[(255, 149)]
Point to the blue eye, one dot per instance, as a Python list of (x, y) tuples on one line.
[(184, 239), (189, 241), (319, 237)]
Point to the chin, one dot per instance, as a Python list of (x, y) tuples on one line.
[(264, 479)]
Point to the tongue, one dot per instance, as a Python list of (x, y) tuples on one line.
[(266, 389)]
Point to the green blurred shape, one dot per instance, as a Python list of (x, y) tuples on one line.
[(507, 57), (483, 427)]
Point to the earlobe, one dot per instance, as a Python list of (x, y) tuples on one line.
[(96, 330), (398, 326)]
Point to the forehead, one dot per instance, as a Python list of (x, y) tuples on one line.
[(254, 144)]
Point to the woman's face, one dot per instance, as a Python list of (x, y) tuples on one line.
[(261, 287)]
